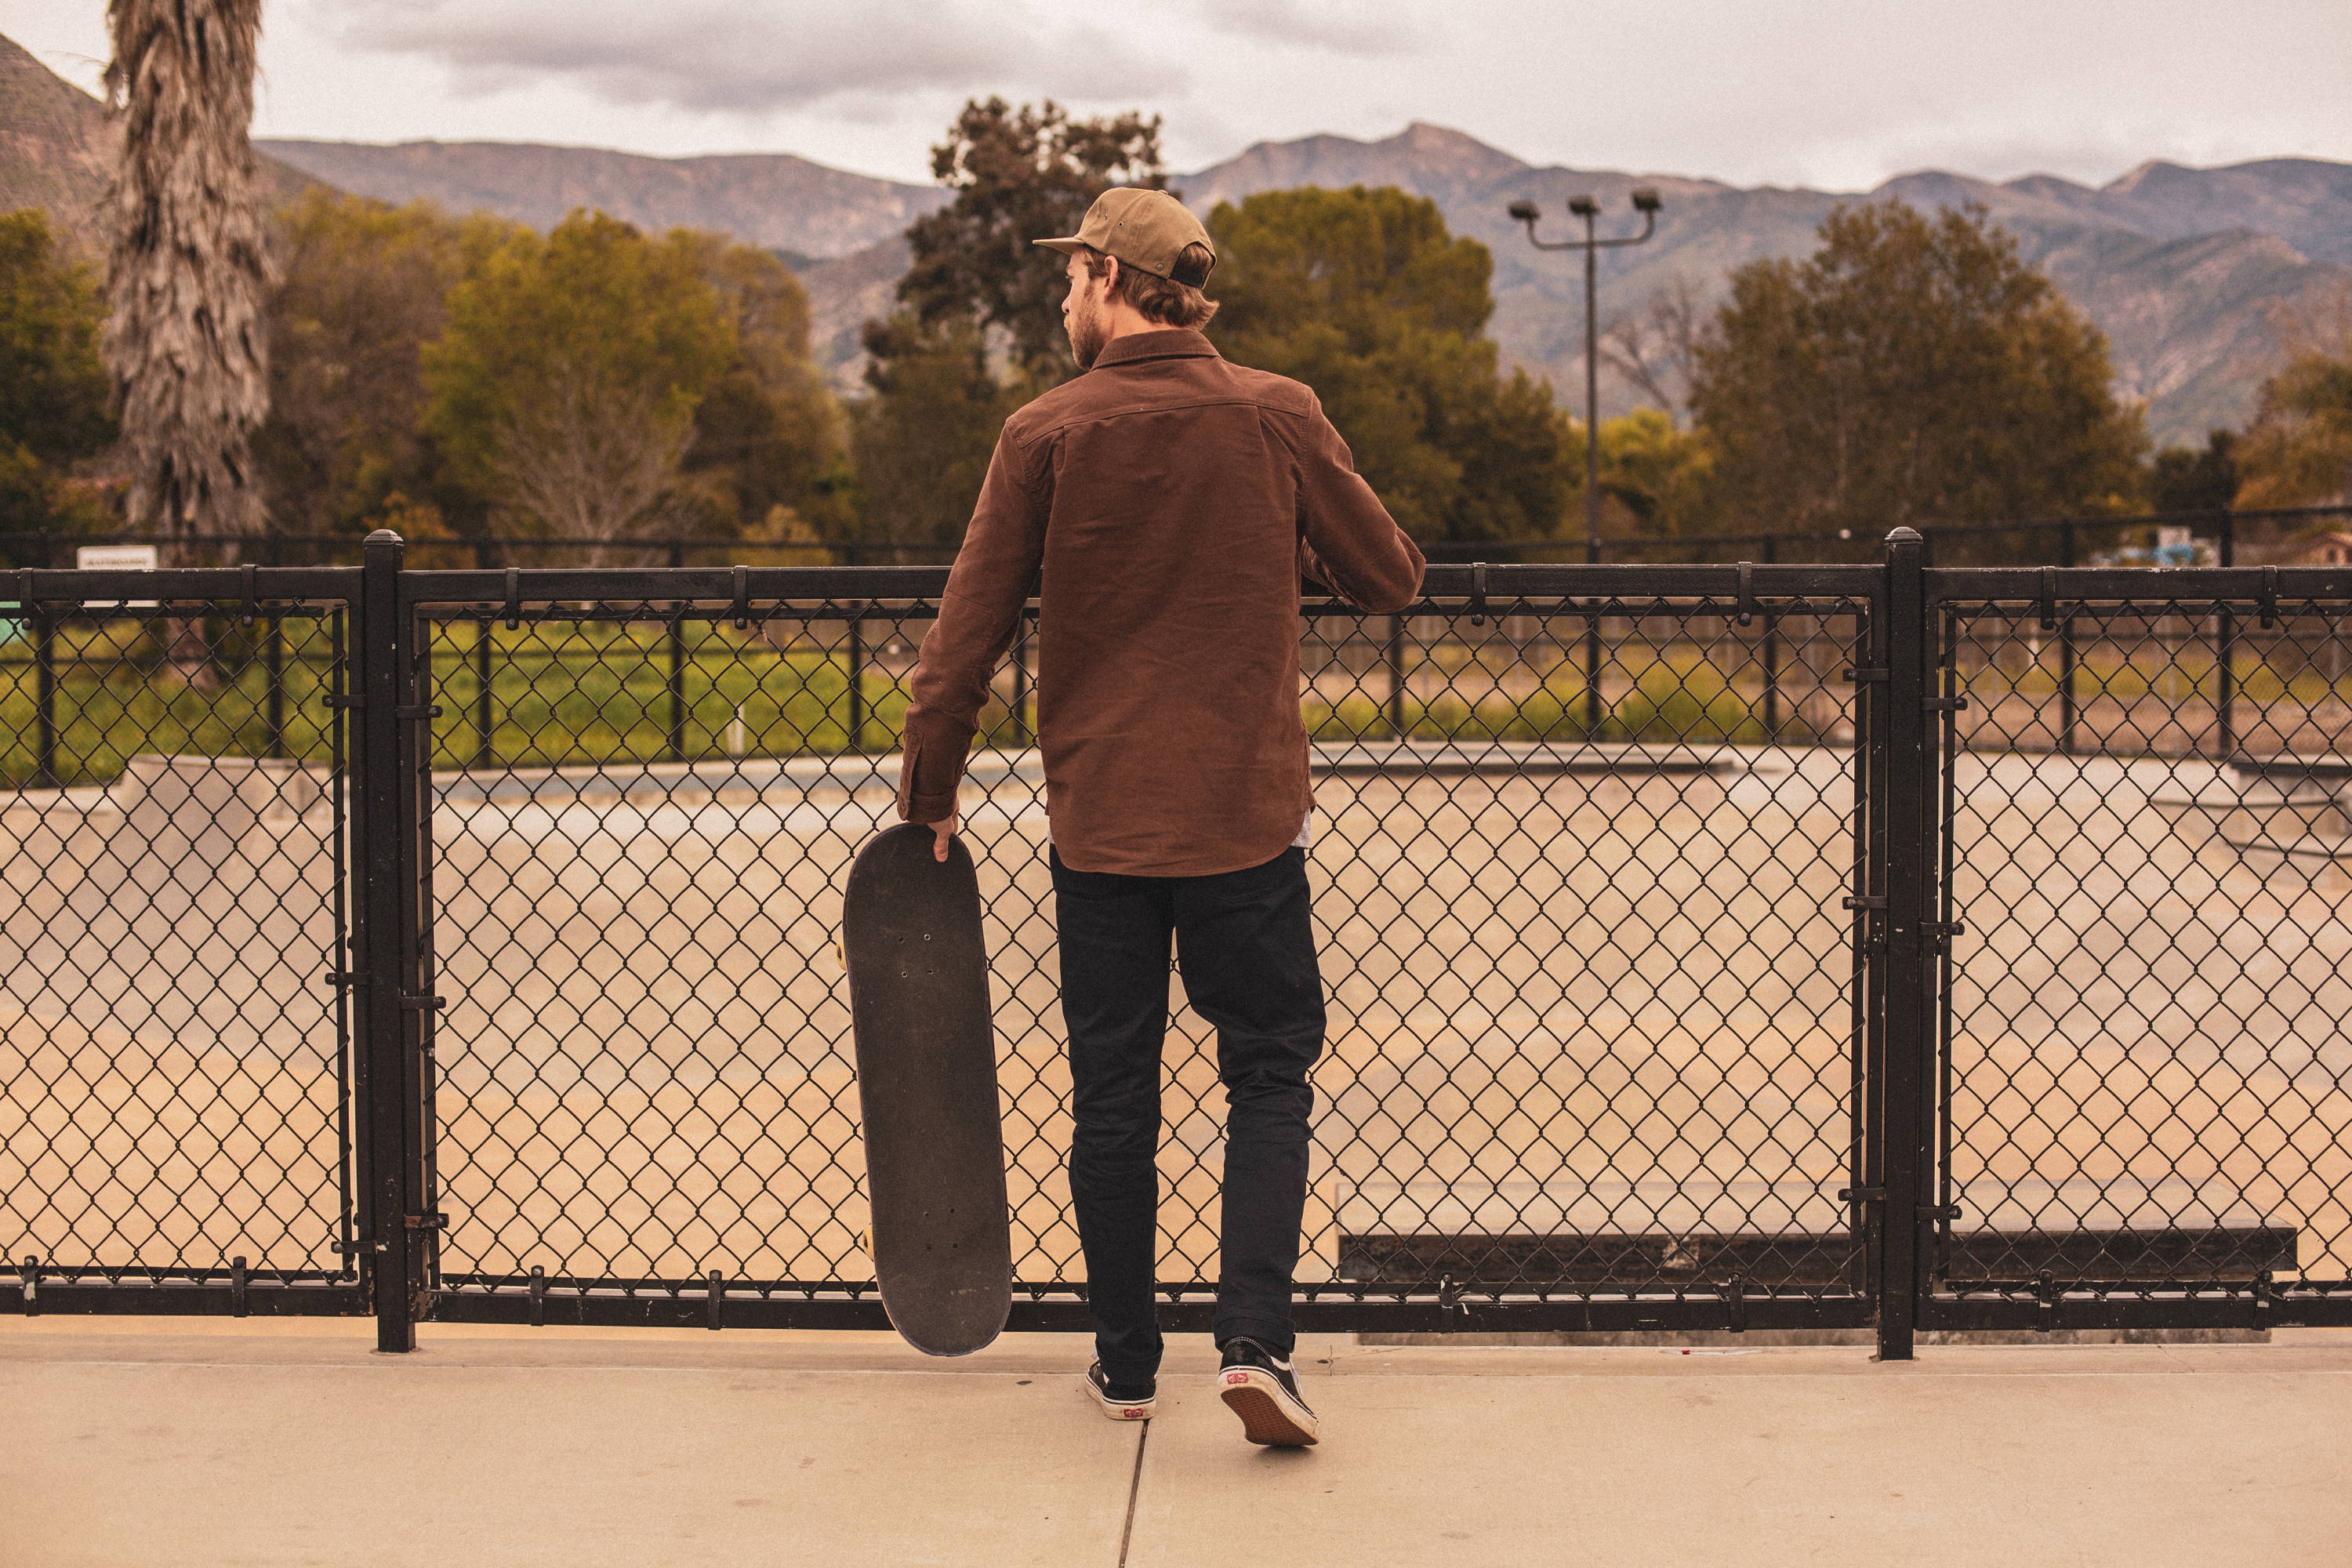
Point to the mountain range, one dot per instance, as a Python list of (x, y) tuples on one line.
[(2191, 272)]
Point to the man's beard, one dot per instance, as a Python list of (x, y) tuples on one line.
[(1088, 334)]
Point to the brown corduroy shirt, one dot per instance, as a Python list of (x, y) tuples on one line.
[(1171, 501)]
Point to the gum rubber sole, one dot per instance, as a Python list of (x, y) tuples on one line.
[(1112, 1408), (1258, 1400)]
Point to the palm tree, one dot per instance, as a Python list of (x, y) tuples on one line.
[(188, 269)]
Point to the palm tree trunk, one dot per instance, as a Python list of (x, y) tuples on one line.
[(188, 270)]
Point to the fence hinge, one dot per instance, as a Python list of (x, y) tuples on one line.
[(340, 978), (717, 1304), (1865, 902), (353, 1248), (421, 711), (1858, 676), (1747, 592), (1862, 1195), (434, 1221), (1939, 1211), (420, 1004), (351, 700), (538, 1295), (1944, 704)]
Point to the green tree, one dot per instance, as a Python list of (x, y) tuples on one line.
[(1657, 478), (923, 439), (1363, 295), (1018, 176), (2298, 449), (768, 433), (1913, 369), (53, 388), (564, 388), (2194, 479), (363, 287)]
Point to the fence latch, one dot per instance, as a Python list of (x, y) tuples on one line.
[(1945, 704), (416, 1003), (421, 711), (434, 1221), (1858, 676), (1865, 902), (1862, 1195)]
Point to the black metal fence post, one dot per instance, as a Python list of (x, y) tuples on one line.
[(386, 959), (45, 691), (857, 678), (1907, 952), (273, 661), (483, 673), (1394, 657), (2225, 637), (678, 668), (2066, 653), (1771, 653)]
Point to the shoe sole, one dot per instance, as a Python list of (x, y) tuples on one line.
[(1113, 1409), (1270, 1417)]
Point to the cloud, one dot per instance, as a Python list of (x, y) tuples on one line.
[(1341, 30), (755, 56)]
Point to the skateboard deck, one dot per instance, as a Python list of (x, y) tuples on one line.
[(926, 1042)]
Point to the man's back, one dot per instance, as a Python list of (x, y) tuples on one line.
[(1170, 500)]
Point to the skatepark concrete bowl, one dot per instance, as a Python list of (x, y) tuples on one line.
[(1573, 988)]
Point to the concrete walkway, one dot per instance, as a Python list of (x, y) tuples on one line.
[(282, 1444)]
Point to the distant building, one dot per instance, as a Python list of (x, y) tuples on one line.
[(2328, 550)]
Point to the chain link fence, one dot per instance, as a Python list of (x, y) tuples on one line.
[(462, 945)]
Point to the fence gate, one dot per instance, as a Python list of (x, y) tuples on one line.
[(175, 1067)]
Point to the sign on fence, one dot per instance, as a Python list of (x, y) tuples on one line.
[(118, 558)]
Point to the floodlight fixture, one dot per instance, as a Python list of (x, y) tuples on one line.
[(1588, 207)]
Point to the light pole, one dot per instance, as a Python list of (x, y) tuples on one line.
[(1645, 202)]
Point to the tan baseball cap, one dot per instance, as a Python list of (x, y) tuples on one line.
[(1144, 229)]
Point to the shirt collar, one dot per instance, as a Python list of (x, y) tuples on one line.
[(1167, 342)]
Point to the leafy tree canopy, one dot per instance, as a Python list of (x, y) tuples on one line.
[(2298, 450), (564, 388), (1913, 369), (363, 287), (1019, 175), (1363, 295), (2194, 479), (53, 388)]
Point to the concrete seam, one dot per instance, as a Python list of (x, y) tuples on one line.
[(1134, 1491)]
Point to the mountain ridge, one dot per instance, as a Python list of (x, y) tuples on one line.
[(2188, 271)]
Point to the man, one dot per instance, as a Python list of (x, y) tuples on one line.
[(1170, 500)]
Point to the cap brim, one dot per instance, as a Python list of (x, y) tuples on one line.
[(1069, 247)]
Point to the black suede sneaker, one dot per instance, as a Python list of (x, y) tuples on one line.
[(1121, 1402), (1259, 1386)]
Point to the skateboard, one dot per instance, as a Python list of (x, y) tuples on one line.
[(919, 1007)]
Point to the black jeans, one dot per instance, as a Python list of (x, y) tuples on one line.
[(1246, 946)]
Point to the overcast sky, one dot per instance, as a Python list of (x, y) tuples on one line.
[(1832, 93)]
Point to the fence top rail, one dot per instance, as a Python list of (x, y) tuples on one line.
[(1454, 549), (487, 591), (183, 585), (2029, 586)]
